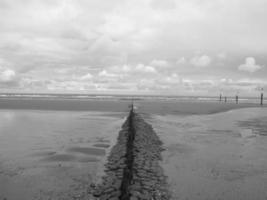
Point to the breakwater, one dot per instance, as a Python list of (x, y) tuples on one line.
[(132, 169)]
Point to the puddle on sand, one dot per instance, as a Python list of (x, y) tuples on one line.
[(89, 159), (52, 156), (102, 145), (247, 133), (60, 157), (256, 125), (102, 140), (180, 148), (44, 153), (88, 151)]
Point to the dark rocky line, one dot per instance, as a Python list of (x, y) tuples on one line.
[(128, 170), (132, 170)]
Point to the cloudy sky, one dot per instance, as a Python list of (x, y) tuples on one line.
[(174, 47)]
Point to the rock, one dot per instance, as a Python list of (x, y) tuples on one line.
[(133, 198), (144, 152)]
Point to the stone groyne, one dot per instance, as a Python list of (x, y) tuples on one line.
[(132, 171)]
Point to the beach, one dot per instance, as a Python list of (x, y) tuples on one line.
[(133, 100), (57, 149), (53, 155), (215, 156)]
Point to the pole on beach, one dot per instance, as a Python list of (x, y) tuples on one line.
[(220, 97), (236, 99), (261, 89), (262, 99)]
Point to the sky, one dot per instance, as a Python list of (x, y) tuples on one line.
[(170, 47)]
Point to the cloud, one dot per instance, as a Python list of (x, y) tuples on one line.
[(181, 60), (172, 80), (117, 26), (201, 61), (249, 65), (221, 56), (159, 63), (106, 74), (139, 69), (106, 45), (144, 68), (7, 75), (87, 77), (163, 5), (8, 79)]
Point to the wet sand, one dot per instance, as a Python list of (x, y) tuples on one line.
[(216, 156), (64, 104), (55, 149), (53, 155)]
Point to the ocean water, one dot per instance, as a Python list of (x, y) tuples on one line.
[(118, 103), (128, 97)]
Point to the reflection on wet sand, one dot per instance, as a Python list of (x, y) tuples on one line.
[(102, 145), (60, 157), (52, 155), (88, 150)]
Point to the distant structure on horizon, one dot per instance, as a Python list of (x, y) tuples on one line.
[(261, 98)]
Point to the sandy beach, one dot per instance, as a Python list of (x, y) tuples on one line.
[(212, 150), (53, 155), (215, 156)]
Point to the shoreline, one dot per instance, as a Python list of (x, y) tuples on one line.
[(144, 106)]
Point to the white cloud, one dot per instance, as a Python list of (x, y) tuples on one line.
[(159, 63), (221, 56), (172, 80), (53, 39), (139, 69), (7, 75), (249, 65), (104, 73), (201, 61), (162, 5), (87, 77), (143, 68), (226, 80), (117, 26), (181, 60)]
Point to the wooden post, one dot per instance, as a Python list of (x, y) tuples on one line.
[(261, 98), (236, 99)]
